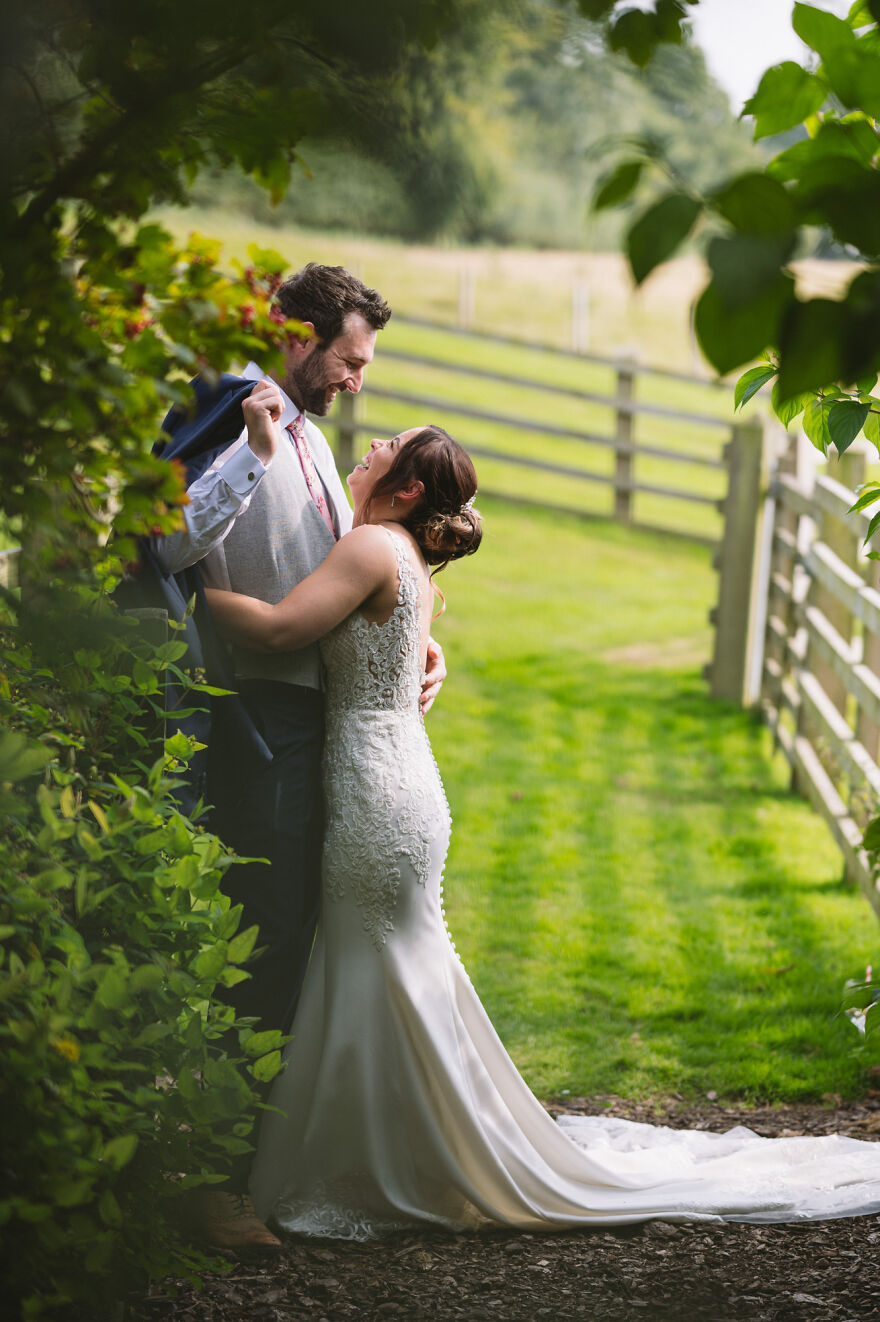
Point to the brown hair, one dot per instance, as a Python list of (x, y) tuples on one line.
[(325, 296), (444, 529)]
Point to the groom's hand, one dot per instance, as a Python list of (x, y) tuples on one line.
[(262, 411), (434, 676)]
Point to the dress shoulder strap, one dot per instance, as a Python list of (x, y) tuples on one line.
[(406, 572)]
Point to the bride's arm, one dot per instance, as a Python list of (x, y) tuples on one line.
[(359, 565)]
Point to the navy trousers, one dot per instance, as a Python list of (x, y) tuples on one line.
[(278, 816)]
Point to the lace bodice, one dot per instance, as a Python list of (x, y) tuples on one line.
[(386, 810), (377, 667)]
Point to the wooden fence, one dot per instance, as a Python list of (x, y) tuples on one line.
[(377, 411), (820, 680)]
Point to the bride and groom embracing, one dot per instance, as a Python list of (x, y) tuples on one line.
[(398, 1104)]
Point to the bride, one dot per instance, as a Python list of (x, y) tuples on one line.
[(398, 1103)]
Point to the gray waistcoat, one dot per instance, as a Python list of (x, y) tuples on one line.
[(276, 543)]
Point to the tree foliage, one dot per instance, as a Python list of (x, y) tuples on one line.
[(512, 121), (755, 224)]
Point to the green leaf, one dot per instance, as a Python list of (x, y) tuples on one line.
[(743, 265), (113, 990), (119, 1151), (731, 337), (617, 186), (871, 838), (109, 1210), (595, 8), (816, 423), (180, 746), (860, 14), (756, 204), (659, 231), (869, 493), (266, 1067), (787, 410), (240, 946), (810, 345), (173, 650), (260, 1043), (750, 383), (786, 96), (872, 427), (845, 421), (823, 32), (211, 962), (872, 528), (20, 757), (634, 32), (146, 977)]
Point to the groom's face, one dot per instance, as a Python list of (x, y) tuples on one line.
[(316, 373)]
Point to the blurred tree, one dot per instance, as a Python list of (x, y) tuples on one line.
[(512, 116)]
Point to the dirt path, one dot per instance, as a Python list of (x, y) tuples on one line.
[(654, 1273)]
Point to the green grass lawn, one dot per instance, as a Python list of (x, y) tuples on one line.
[(641, 903)]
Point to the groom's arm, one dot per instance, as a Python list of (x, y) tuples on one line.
[(216, 499), (220, 495)]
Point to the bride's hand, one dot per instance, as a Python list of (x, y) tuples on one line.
[(262, 411), (434, 676)]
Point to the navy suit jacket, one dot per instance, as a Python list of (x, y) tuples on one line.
[(235, 749)]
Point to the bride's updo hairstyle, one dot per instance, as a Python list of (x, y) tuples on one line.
[(443, 522)]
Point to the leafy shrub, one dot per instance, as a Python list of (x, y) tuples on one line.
[(118, 1090)]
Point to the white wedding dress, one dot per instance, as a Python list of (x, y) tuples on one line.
[(399, 1104)]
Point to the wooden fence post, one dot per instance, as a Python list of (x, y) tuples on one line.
[(843, 539), (783, 583), (346, 432), (734, 616), (580, 317), (623, 458), (867, 731), (465, 297)]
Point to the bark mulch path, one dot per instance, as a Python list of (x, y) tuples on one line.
[(657, 1272)]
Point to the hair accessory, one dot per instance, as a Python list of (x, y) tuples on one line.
[(468, 505)]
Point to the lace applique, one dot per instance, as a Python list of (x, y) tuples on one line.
[(376, 667), (333, 1210), (385, 801), (340, 1209)]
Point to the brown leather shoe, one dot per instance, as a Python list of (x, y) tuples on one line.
[(229, 1221)]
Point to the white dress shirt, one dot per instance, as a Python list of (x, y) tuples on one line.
[(223, 492)]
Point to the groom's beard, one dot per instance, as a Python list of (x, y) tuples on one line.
[(309, 387)]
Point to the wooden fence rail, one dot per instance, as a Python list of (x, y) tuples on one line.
[(541, 346), (820, 689), (356, 417)]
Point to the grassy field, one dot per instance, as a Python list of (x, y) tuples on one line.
[(515, 291), (640, 901)]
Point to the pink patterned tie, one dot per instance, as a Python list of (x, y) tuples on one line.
[(297, 430)]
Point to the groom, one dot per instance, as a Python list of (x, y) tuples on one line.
[(266, 507)]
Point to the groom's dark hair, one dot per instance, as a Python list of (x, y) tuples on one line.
[(325, 296)]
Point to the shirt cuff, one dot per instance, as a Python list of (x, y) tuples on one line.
[(242, 471)]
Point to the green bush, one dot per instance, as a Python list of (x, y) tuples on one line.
[(118, 1091)]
